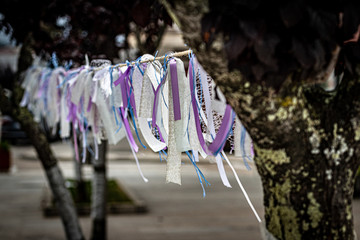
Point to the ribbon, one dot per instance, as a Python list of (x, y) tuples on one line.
[(241, 187), (176, 114), (175, 90), (155, 109), (173, 166), (216, 145), (242, 142), (210, 124), (128, 130), (122, 81), (198, 172)]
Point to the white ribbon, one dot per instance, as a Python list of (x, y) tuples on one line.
[(181, 126), (173, 166)]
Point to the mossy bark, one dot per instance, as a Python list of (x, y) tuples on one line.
[(306, 139)]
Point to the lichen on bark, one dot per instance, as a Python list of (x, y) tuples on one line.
[(285, 221), (314, 210), (307, 195)]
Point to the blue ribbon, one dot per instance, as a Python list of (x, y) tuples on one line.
[(199, 173), (136, 131), (242, 144)]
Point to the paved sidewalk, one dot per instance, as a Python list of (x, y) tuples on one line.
[(175, 212)]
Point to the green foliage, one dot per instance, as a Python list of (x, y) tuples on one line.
[(114, 193)]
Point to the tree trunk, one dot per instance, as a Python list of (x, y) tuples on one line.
[(63, 199), (305, 202), (306, 140), (79, 179), (55, 178), (99, 183), (98, 210)]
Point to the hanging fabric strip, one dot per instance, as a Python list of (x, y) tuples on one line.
[(216, 146), (217, 141), (84, 147), (210, 122), (108, 121), (155, 106), (237, 136), (146, 108), (242, 188), (173, 166), (242, 142), (148, 92), (199, 173), (75, 143), (123, 86), (153, 143), (136, 160), (207, 99), (96, 148), (136, 129), (175, 90), (182, 106), (128, 130), (180, 110)]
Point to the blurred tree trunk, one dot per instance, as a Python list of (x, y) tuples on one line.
[(99, 182), (78, 167), (63, 199), (151, 40), (306, 140)]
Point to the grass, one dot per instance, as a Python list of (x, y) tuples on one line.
[(114, 193)]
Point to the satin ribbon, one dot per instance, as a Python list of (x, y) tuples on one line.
[(224, 129), (126, 90), (210, 123), (173, 165), (175, 90), (198, 171), (146, 108), (241, 187), (128, 130)]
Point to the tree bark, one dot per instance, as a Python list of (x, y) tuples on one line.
[(99, 183), (306, 140), (55, 178), (79, 178)]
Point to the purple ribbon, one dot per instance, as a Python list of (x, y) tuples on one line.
[(127, 95), (175, 90), (218, 142), (89, 105), (128, 130)]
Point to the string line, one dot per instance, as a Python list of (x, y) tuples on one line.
[(175, 54)]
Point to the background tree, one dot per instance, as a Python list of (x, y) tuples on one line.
[(268, 58), (75, 28), (72, 29)]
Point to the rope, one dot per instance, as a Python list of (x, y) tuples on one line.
[(176, 54)]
